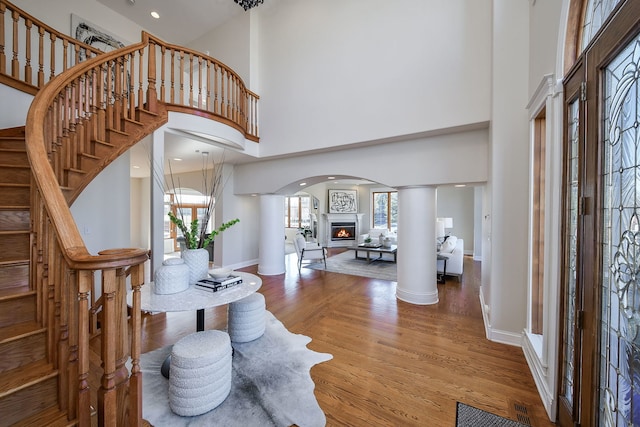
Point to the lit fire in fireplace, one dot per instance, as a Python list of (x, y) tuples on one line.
[(342, 233)]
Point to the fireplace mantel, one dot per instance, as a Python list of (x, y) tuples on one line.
[(340, 217)]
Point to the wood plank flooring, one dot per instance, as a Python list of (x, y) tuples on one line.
[(394, 364)]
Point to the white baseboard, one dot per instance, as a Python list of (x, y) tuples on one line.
[(496, 335), (540, 374)]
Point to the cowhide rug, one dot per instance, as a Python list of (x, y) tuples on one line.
[(271, 384)]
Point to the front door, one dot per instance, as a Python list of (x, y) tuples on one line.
[(600, 348)]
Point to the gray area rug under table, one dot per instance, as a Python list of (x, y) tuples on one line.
[(468, 416), (346, 263), (271, 384)]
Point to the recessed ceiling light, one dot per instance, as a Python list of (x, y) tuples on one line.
[(302, 184), (155, 14), (331, 177), (136, 167), (460, 185), (177, 159)]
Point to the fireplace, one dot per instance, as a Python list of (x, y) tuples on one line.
[(343, 231)]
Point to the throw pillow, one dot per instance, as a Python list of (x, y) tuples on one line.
[(449, 245)]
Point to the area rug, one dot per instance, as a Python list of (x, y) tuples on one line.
[(468, 416), (271, 384), (346, 263)]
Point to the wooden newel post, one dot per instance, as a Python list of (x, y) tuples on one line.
[(135, 382), (152, 95), (84, 395), (107, 402)]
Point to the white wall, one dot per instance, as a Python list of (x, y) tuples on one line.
[(509, 176), (102, 211), (232, 48), (140, 200), (478, 222), (336, 72), (444, 159), (13, 113), (57, 14), (544, 40), (458, 204)]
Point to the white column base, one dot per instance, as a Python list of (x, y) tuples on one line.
[(426, 298)]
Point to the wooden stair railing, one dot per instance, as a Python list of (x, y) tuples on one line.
[(32, 53), (77, 124)]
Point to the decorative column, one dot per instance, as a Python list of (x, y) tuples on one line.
[(271, 246), (156, 199), (417, 271)]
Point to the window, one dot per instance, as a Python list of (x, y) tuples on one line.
[(385, 210), (187, 207), (297, 211)]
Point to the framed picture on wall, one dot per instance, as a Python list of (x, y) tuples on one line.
[(89, 33), (315, 203), (343, 201)]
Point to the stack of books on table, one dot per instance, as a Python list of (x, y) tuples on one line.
[(215, 285)]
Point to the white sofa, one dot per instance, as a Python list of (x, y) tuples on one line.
[(453, 250)]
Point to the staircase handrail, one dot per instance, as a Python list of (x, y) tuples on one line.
[(238, 109), (75, 251), (63, 48)]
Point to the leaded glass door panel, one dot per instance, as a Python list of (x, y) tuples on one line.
[(572, 301), (619, 377)]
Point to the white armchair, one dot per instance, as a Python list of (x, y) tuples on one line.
[(309, 251)]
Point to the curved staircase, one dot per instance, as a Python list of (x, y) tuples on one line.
[(63, 348)]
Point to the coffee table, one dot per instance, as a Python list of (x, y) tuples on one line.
[(375, 249)]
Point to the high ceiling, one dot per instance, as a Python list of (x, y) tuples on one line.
[(180, 22)]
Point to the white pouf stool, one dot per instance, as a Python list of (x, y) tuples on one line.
[(200, 377), (246, 318)]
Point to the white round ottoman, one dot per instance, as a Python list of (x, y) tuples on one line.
[(246, 318), (200, 377)]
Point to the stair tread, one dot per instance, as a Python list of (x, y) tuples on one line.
[(133, 121), (76, 170), (11, 184), (14, 132), (52, 417), (15, 207), (15, 292), (6, 165), (102, 142), (10, 333), (25, 376), (10, 232), (15, 262)]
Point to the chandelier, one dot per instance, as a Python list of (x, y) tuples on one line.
[(248, 4)]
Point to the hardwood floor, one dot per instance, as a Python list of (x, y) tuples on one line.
[(394, 363)]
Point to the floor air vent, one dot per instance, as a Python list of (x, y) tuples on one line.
[(522, 414)]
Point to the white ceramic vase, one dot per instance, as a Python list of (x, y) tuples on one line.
[(171, 277), (198, 262)]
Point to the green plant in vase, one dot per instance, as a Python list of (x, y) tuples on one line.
[(196, 237)]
